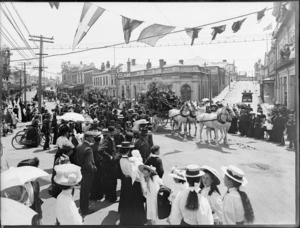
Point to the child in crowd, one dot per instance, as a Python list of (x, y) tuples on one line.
[(155, 161), (135, 161)]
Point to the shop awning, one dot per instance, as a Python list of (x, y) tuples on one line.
[(65, 86), (70, 87)]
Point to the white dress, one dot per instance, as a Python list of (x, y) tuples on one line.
[(215, 202), (151, 189), (176, 189), (233, 210), (66, 210)]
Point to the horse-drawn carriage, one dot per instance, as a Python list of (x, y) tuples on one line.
[(158, 105), (63, 97), (247, 96)]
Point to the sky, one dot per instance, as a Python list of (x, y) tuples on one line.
[(61, 24)]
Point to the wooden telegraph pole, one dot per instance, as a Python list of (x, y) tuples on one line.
[(42, 40)]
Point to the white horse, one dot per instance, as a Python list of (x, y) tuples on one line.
[(195, 109), (179, 117), (215, 120)]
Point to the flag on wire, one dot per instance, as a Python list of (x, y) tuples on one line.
[(56, 4), (128, 26), (90, 14), (268, 27), (237, 25), (260, 15), (218, 29), (192, 33), (151, 34)]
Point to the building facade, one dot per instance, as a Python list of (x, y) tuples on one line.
[(281, 79), (189, 82)]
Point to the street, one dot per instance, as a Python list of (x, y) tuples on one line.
[(269, 168)]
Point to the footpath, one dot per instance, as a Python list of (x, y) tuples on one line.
[(224, 93)]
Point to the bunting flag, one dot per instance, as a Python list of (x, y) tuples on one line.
[(260, 15), (268, 27), (218, 29), (128, 26), (90, 14), (56, 4), (151, 34), (192, 33), (237, 25)]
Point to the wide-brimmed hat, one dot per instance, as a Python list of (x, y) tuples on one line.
[(213, 171), (151, 169), (178, 173), (235, 174), (63, 129), (67, 174), (120, 117), (193, 171), (95, 121), (105, 131), (125, 144)]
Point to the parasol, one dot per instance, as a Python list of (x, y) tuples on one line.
[(14, 213), (15, 176), (72, 116)]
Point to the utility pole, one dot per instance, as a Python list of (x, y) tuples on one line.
[(209, 86), (25, 82), (42, 40)]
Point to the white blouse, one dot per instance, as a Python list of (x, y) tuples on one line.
[(66, 210), (233, 210), (64, 141), (215, 202), (202, 216)]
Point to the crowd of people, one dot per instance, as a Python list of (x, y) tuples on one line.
[(93, 155)]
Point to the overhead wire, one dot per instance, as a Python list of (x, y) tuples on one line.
[(172, 32), (18, 30), (23, 22)]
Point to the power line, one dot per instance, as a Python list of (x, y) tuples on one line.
[(173, 32), (17, 30), (22, 22)]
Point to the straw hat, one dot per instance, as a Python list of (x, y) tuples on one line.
[(177, 173), (193, 171), (213, 171), (67, 174), (125, 144), (235, 174), (151, 169)]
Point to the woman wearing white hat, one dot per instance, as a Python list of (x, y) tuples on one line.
[(209, 190), (67, 176), (180, 182), (189, 207), (237, 208)]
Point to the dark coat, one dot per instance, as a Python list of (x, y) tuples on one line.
[(143, 146), (157, 163), (85, 158)]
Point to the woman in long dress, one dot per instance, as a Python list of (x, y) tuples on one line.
[(131, 204)]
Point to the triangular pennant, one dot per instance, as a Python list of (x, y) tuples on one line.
[(51, 4), (128, 26), (192, 33), (237, 25), (260, 15), (151, 34), (218, 29), (90, 14), (56, 4)]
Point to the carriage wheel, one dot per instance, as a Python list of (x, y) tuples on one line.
[(16, 142), (154, 127)]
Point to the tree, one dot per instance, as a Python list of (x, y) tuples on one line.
[(160, 85)]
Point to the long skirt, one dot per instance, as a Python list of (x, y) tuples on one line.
[(131, 205)]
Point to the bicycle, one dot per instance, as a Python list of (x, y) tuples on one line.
[(19, 140)]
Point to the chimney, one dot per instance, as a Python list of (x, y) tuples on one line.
[(165, 63), (148, 65), (107, 64), (102, 67), (128, 66), (161, 63), (133, 62), (80, 62), (181, 61), (224, 61)]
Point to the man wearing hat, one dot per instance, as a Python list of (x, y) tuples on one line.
[(95, 126), (46, 128), (85, 160), (142, 144), (97, 187), (119, 137), (109, 153)]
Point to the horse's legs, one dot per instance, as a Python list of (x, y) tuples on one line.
[(200, 131), (217, 136), (190, 129), (195, 129), (208, 134), (185, 131)]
